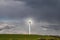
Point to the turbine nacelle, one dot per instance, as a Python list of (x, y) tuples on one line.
[(29, 21)]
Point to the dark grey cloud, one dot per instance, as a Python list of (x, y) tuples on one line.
[(44, 13), (54, 27), (46, 10), (14, 9), (6, 26)]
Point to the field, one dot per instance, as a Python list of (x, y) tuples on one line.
[(27, 37)]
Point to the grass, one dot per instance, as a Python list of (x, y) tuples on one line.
[(26, 37)]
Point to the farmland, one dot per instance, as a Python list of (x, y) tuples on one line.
[(26, 37)]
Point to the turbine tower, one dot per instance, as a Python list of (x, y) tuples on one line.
[(29, 23)]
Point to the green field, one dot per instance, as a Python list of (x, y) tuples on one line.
[(26, 37)]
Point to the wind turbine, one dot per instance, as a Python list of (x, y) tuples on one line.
[(29, 23)]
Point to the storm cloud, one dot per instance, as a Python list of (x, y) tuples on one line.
[(45, 13)]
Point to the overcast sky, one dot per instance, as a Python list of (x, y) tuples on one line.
[(45, 15)]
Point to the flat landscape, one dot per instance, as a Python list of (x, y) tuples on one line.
[(27, 37)]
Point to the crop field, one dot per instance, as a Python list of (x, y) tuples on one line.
[(27, 37)]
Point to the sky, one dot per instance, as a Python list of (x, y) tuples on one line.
[(45, 15)]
